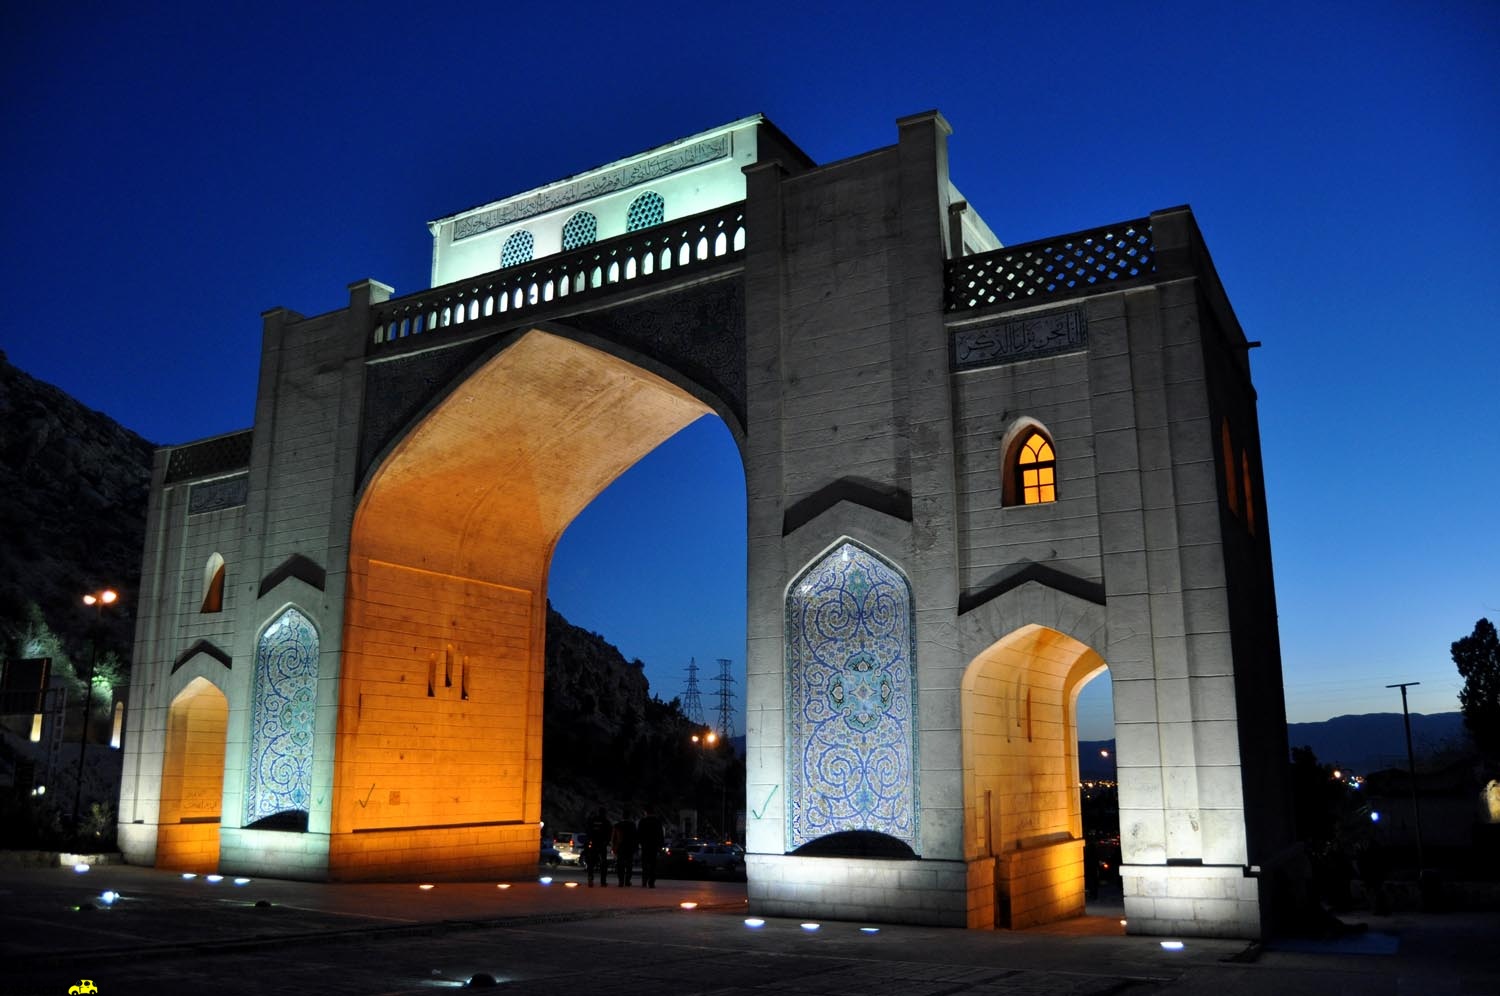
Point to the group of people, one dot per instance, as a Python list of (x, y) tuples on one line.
[(623, 838)]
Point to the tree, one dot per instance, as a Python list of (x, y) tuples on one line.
[(1478, 658)]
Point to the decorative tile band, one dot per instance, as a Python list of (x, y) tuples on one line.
[(608, 182), (851, 700), (281, 718), (1023, 338), (212, 496)]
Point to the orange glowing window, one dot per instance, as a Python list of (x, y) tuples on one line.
[(1249, 495), (1230, 489), (213, 585), (1036, 471)]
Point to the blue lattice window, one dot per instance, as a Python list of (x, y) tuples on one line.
[(517, 249), (580, 230), (851, 700), (646, 210), (282, 714)]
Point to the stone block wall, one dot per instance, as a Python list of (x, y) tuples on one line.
[(883, 890)]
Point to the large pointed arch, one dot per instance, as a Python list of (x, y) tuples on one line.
[(441, 674)]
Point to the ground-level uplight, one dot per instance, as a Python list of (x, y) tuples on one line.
[(242, 881), (502, 885), (869, 930), (688, 905), (426, 886), (754, 921), (81, 867), (545, 880), (213, 878), (1171, 945), (570, 885), (189, 875), (811, 926)]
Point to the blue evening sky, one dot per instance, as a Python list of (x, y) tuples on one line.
[(172, 170)]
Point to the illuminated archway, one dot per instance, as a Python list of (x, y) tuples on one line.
[(1020, 748), (192, 779), (438, 759)]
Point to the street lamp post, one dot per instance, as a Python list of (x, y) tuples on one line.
[(1411, 767), (705, 743), (97, 600)]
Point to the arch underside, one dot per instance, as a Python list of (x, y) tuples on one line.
[(438, 761), (1020, 744)]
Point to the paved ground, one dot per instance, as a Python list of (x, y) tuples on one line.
[(168, 935)]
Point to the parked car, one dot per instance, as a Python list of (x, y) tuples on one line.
[(700, 859), (569, 846)]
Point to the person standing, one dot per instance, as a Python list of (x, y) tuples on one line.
[(596, 848), (624, 842), (649, 834)]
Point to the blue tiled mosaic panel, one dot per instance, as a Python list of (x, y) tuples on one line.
[(851, 700), (281, 718)]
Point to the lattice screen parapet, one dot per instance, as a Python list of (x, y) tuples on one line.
[(1051, 268), (661, 253)]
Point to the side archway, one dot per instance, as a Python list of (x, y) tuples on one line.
[(192, 779), (1020, 750), (851, 702)]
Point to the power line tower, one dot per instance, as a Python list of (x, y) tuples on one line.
[(692, 705), (726, 699)]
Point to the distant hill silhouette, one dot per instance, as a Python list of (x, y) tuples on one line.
[(1370, 742), (1376, 741)]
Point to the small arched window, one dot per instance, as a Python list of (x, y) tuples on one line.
[(581, 229), (1031, 474), (517, 249), (213, 585), (1231, 491), (645, 211)]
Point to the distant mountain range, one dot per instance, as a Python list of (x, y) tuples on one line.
[(1371, 742), (1377, 740)]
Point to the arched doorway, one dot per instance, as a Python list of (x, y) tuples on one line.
[(1022, 819), (438, 760), (192, 780)]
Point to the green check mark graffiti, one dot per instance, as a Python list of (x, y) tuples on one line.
[(765, 805)]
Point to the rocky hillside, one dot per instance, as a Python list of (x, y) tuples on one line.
[(73, 489), (607, 741)]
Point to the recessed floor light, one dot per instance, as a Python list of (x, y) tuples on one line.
[(688, 906), (754, 921)]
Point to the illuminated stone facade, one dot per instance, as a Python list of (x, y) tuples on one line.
[(977, 477)]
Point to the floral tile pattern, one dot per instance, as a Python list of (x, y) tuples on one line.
[(851, 700), (281, 718)]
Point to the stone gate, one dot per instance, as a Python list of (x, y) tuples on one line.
[(977, 477)]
